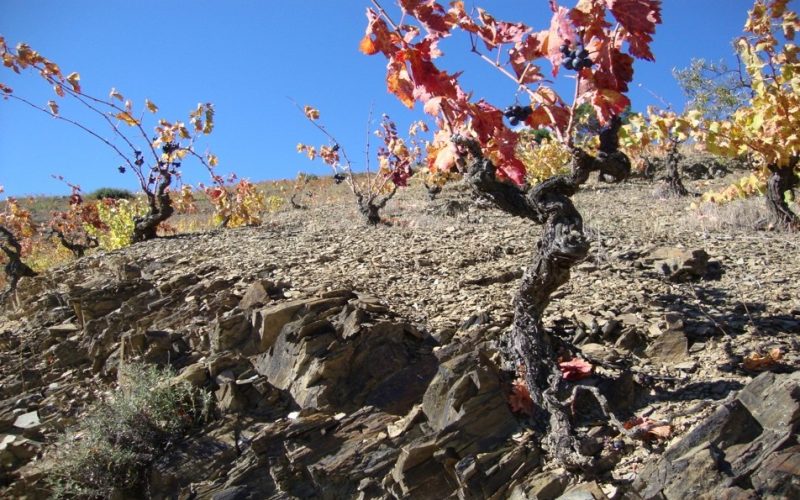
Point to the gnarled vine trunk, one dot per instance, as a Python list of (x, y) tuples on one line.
[(77, 248), (672, 183), (370, 206), (15, 269), (782, 179), (562, 245), (160, 209)]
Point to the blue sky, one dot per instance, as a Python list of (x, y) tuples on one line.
[(247, 57)]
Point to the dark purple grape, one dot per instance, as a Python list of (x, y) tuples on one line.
[(583, 53), (569, 63), (514, 121)]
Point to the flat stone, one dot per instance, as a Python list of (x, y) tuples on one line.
[(669, 347), (27, 420)]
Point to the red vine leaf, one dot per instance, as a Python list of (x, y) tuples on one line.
[(521, 56), (561, 31), (575, 369), (431, 15), (639, 18), (609, 103)]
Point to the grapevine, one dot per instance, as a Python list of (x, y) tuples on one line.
[(155, 161), (765, 129), (15, 225), (657, 133), (397, 158), (472, 137)]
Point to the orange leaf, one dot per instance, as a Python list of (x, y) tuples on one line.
[(399, 84), (150, 106), (311, 113), (53, 107), (366, 46), (647, 429), (520, 398), (127, 118), (114, 94), (576, 369), (758, 363), (74, 80)]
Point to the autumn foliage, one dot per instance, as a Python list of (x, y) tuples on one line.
[(413, 76), (397, 159), (766, 128), (155, 160)]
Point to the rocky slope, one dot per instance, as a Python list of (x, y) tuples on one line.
[(348, 361)]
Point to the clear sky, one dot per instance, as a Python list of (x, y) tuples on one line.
[(247, 57)]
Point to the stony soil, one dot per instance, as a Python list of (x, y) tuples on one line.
[(453, 278)]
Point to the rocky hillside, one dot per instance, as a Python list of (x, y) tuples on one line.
[(354, 362)]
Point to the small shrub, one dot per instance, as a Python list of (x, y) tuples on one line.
[(120, 437), (113, 193), (274, 204)]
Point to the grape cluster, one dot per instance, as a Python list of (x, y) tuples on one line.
[(517, 114), (575, 59), (338, 178)]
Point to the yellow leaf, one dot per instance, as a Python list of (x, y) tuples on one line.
[(150, 106), (213, 160), (127, 118), (114, 94)]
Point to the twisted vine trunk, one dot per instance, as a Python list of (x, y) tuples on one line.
[(15, 269), (160, 209), (782, 179), (673, 185), (562, 245), (78, 249), (370, 206)]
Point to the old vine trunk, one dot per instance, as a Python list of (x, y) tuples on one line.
[(673, 185), (561, 246), (370, 206), (15, 269), (781, 180), (160, 209)]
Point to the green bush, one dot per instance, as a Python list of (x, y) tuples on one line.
[(113, 193), (120, 437)]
